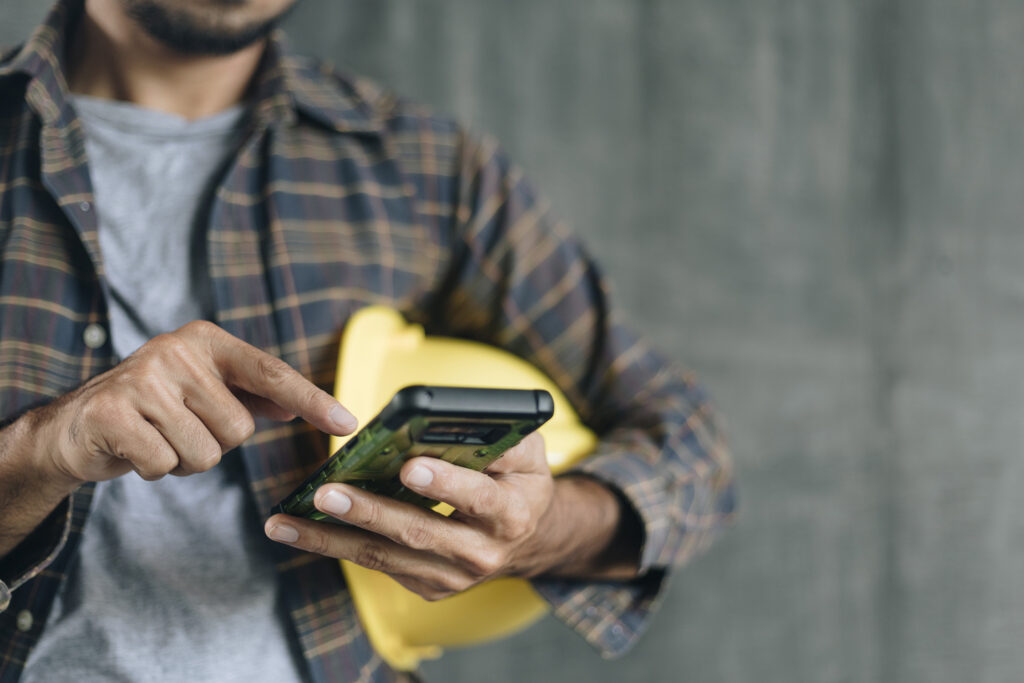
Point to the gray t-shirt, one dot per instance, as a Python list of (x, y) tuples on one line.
[(174, 580)]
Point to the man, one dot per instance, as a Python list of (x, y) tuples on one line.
[(188, 216)]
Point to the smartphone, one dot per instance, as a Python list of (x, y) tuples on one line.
[(470, 427)]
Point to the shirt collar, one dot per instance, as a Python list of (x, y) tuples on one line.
[(41, 59), (287, 85)]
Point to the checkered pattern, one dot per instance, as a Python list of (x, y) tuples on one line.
[(344, 196)]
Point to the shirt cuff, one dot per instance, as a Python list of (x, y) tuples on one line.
[(678, 522), (35, 552), (610, 615)]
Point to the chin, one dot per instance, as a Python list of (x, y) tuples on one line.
[(207, 27)]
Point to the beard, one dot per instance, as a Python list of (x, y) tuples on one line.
[(217, 27)]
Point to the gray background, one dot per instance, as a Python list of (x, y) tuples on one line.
[(813, 203)]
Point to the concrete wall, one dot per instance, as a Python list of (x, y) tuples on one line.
[(816, 205)]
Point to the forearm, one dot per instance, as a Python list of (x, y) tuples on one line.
[(28, 492)]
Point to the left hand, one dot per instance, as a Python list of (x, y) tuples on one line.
[(499, 526)]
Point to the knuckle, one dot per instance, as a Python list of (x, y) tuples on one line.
[(454, 582), (317, 543), (484, 562), (313, 395), (372, 556), (417, 535), (199, 328), (205, 461), (204, 380), (483, 501), (130, 374), (239, 428), (212, 457), (369, 514), (153, 385), (147, 470), (143, 374), (271, 369), (161, 460), (435, 594), (171, 345)]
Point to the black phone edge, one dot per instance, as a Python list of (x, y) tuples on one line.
[(446, 401)]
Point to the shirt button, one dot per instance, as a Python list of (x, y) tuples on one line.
[(94, 336), (85, 206), (24, 621)]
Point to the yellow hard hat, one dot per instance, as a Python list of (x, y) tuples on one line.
[(380, 354)]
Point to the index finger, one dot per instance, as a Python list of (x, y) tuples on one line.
[(244, 366)]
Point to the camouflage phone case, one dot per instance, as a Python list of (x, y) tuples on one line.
[(468, 427)]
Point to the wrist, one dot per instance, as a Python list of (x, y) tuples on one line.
[(37, 450), (29, 489), (590, 531)]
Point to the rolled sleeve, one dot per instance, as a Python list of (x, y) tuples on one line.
[(521, 281), (667, 458), (679, 519), (610, 616), (36, 552)]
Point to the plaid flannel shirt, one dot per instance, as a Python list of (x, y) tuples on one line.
[(343, 196)]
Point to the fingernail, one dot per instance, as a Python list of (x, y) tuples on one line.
[(283, 533), (344, 419), (420, 476), (335, 503)]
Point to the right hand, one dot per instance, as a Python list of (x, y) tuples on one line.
[(175, 406)]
